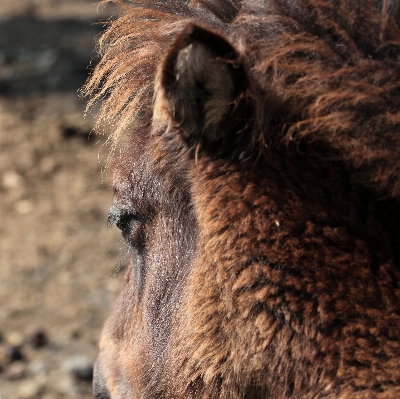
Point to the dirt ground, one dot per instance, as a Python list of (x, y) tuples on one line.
[(57, 256)]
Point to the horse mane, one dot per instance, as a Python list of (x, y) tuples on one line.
[(130, 51), (327, 73)]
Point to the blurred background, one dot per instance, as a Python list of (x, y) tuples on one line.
[(58, 260)]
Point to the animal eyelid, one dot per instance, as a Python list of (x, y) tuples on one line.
[(122, 219)]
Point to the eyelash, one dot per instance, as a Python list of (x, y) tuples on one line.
[(125, 221)]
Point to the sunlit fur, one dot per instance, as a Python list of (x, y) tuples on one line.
[(266, 263)]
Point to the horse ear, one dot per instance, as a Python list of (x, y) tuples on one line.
[(199, 86)]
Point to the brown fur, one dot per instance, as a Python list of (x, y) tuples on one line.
[(261, 209)]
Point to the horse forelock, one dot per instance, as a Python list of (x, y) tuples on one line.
[(317, 67)]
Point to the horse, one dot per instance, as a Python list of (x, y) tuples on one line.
[(255, 165)]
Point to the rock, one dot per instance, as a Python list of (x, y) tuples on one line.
[(47, 165), (14, 353), (38, 368), (76, 333), (29, 389), (80, 367), (9, 354), (23, 207), (84, 373), (12, 179), (15, 371), (37, 337), (67, 386), (14, 339)]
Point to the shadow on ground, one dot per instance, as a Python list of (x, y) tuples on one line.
[(41, 56)]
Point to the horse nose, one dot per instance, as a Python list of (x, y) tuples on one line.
[(100, 390)]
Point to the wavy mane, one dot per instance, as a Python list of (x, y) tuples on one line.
[(328, 69)]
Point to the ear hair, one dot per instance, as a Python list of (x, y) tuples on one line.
[(198, 84)]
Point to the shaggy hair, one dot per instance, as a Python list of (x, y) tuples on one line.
[(261, 174), (330, 69)]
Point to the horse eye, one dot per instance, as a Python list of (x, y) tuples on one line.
[(123, 220)]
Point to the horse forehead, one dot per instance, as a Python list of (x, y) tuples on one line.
[(129, 166)]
